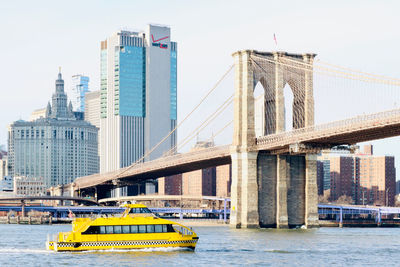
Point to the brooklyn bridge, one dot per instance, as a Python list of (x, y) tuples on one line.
[(274, 175)]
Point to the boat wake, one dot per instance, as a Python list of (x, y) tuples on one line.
[(23, 250), (168, 249)]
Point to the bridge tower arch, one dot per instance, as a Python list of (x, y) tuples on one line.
[(272, 189)]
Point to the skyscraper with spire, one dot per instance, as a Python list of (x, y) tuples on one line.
[(57, 148), (59, 108)]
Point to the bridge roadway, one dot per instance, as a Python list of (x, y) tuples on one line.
[(161, 167), (345, 132), (350, 131)]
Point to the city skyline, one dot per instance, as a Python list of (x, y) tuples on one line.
[(215, 133), (350, 40)]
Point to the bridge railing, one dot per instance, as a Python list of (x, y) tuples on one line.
[(339, 126)]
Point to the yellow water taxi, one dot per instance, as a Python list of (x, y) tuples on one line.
[(136, 228)]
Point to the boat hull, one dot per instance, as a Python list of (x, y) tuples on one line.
[(109, 245)]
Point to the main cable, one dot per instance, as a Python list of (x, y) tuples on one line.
[(342, 74)]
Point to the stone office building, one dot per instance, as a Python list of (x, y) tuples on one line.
[(57, 148)]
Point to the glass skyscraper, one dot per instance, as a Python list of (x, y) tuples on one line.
[(138, 99), (80, 86)]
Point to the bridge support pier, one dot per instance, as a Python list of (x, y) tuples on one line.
[(250, 217), (244, 211), (283, 194), (311, 194)]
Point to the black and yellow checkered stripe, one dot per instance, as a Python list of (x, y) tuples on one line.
[(125, 243)]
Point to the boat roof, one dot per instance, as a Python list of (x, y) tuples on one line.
[(130, 221), (130, 206)]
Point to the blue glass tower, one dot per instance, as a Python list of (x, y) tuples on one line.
[(80, 86), (138, 101)]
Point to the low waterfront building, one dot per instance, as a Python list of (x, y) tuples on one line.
[(58, 147), (6, 184), (29, 186)]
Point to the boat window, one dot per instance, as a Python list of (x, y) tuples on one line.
[(92, 230), (158, 228), (117, 229), (109, 229), (140, 210), (150, 228), (144, 210), (170, 228), (133, 210), (134, 229), (125, 229), (142, 228)]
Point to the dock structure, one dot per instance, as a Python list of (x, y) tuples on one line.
[(329, 215)]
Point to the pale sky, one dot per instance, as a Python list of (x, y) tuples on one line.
[(39, 36)]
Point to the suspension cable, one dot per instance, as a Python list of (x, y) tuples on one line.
[(187, 116), (206, 122), (220, 131), (353, 70)]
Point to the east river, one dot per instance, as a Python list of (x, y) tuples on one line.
[(24, 245)]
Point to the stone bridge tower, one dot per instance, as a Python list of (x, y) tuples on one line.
[(273, 189)]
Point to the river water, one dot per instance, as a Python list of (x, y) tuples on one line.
[(24, 245)]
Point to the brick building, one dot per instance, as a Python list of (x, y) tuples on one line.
[(223, 180), (366, 178), (170, 185)]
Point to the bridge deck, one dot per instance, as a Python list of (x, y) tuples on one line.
[(162, 167), (350, 131)]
